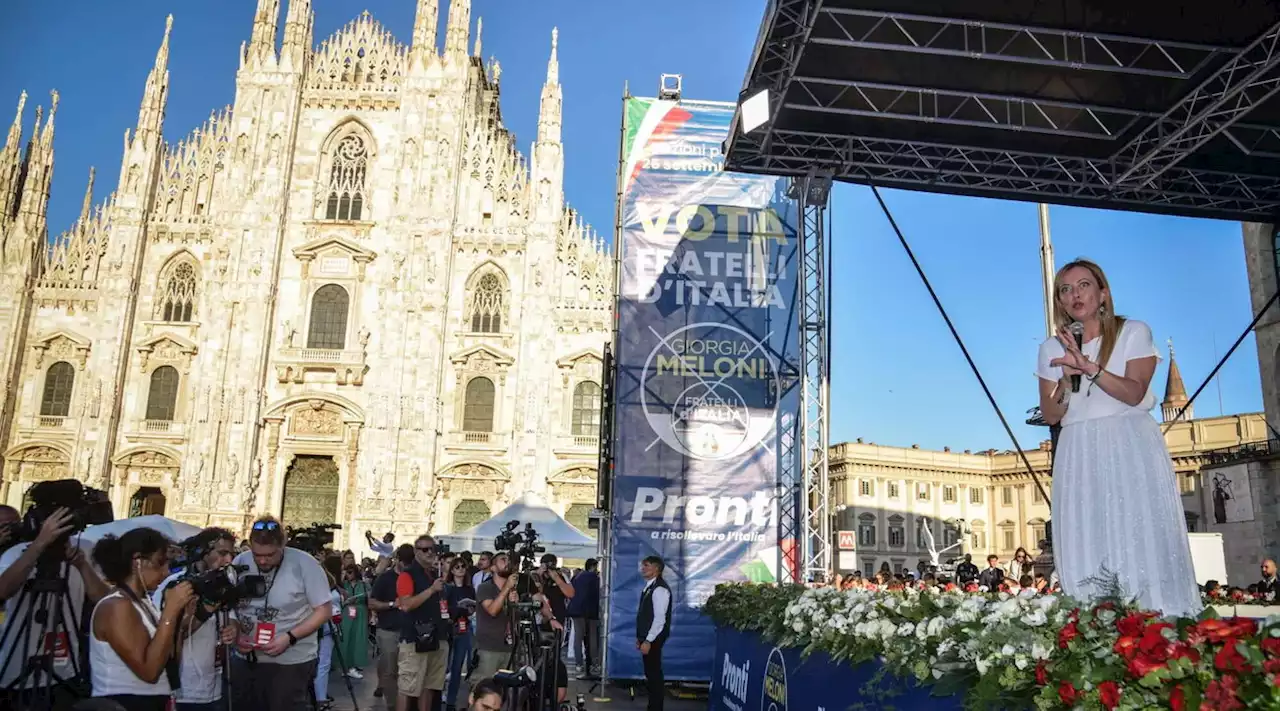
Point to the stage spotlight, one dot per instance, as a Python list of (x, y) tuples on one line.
[(755, 111)]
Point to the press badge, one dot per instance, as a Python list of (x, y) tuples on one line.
[(264, 633), (57, 645), (351, 611), (444, 609)]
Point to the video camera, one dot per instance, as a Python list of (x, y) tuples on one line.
[(87, 507), (225, 586), (521, 546), (314, 538)]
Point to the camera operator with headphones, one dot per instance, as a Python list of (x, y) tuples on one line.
[(277, 648), (18, 566), (202, 650)]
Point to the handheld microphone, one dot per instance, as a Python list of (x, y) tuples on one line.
[(1077, 330)]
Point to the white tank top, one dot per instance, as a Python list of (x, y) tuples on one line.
[(110, 675)]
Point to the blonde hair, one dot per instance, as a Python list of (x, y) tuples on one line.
[(1111, 321)]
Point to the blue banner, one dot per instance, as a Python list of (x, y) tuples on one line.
[(706, 362), (750, 675)]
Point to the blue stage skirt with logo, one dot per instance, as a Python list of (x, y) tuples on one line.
[(749, 674)]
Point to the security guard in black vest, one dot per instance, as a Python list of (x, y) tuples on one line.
[(653, 626)]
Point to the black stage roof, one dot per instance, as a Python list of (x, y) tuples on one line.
[(1159, 106)]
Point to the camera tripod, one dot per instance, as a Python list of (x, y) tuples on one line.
[(40, 633), (543, 657), (336, 635)]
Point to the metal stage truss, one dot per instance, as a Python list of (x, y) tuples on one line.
[(1145, 105)]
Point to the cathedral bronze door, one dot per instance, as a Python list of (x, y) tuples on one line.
[(147, 501), (310, 491)]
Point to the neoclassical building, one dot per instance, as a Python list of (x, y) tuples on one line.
[(985, 502), (346, 297)]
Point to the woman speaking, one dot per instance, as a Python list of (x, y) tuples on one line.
[(130, 642), (1116, 509)]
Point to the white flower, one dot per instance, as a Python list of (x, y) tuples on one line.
[(906, 629), (1007, 650), (1039, 651), (1035, 618), (982, 665), (1020, 662)]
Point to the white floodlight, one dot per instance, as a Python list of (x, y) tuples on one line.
[(755, 111)]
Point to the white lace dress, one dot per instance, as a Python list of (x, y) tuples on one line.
[(1116, 507)]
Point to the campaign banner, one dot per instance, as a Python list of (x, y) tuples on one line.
[(706, 383), (749, 674)]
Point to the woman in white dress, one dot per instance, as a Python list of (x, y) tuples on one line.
[(1117, 513)]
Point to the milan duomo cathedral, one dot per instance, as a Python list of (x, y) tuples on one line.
[(347, 297)]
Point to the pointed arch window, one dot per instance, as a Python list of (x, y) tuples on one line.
[(487, 304), (328, 330), (55, 401), (162, 396), (586, 409), (347, 191), (477, 410), (177, 302)]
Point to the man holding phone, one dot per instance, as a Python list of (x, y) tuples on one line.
[(426, 627)]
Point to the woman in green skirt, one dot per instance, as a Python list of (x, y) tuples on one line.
[(355, 622)]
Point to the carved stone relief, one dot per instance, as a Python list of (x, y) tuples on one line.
[(316, 422)]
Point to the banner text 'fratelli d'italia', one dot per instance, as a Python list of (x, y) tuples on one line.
[(706, 357)]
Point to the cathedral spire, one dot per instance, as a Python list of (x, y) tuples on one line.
[(262, 44), (298, 27), (479, 30), (87, 206), (552, 98), (39, 172), (156, 94), (10, 163), (1175, 392), (457, 35), (425, 25)]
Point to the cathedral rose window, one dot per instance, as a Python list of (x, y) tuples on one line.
[(487, 305), (347, 180), (177, 303)]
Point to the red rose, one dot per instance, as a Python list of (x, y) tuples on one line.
[(1221, 694), (1108, 605), (1042, 673), (1153, 643), (1109, 694), (1229, 659), (971, 588), (1126, 647), (951, 587), (1178, 699), (1271, 666), (1141, 666), (1067, 633), (1067, 693), (1182, 650), (1237, 595), (1224, 630), (1131, 625), (1271, 646)]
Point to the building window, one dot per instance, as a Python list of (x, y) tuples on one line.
[(867, 530), (922, 541), (1006, 495), (1037, 534), (1187, 482), (477, 410), (949, 494), (1036, 496), (979, 539), (586, 409), (975, 496), (1008, 540), (864, 487), (162, 396), (55, 401), (1191, 519), (897, 534), (177, 302), (922, 492), (894, 492), (869, 567), (328, 329), (950, 534), (347, 173), (469, 513), (486, 304)]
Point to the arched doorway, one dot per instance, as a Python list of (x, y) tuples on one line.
[(310, 491), (146, 501)]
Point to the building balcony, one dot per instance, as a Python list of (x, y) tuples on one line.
[(292, 364), (578, 445), (477, 441), (34, 426), (50, 422), (158, 430)]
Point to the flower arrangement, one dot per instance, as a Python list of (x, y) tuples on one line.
[(1236, 596), (1007, 651)]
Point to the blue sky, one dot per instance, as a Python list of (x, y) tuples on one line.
[(897, 377)]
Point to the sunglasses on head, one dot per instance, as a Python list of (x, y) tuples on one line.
[(266, 525)]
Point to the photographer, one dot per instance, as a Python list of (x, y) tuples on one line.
[(202, 653), (495, 646), (554, 587), (277, 647), (10, 526), (426, 630), (18, 566), (136, 674)]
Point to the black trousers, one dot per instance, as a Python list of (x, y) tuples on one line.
[(272, 687), (653, 682)]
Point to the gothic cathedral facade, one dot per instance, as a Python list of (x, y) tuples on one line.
[(345, 298)]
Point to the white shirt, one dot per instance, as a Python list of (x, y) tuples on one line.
[(479, 577), (201, 669), (1133, 342), (110, 675), (383, 549), (72, 614), (661, 601)]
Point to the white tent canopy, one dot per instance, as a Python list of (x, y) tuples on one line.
[(557, 535)]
